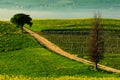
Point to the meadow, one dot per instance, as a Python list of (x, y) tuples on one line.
[(61, 24), (11, 39), (22, 57), (72, 35)]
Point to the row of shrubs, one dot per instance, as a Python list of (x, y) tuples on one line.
[(77, 41)]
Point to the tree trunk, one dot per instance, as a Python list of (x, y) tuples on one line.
[(95, 66), (22, 29)]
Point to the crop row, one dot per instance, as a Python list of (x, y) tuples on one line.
[(76, 41)]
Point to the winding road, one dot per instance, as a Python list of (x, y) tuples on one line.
[(51, 46)]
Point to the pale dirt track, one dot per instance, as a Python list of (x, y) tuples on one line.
[(58, 50)]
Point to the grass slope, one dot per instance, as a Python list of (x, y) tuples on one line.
[(11, 39), (39, 62)]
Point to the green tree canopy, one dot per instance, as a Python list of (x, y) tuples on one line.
[(21, 19)]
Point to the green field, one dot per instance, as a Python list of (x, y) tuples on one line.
[(22, 57), (75, 42), (46, 24), (11, 39), (72, 36)]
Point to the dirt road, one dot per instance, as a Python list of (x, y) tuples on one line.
[(58, 50)]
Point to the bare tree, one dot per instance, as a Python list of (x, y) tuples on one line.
[(96, 41)]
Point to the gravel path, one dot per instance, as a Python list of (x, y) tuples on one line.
[(58, 50)]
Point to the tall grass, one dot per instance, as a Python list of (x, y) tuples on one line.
[(11, 39), (6, 77)]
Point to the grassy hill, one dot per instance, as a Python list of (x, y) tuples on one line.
[(21, 57), (11, 39)]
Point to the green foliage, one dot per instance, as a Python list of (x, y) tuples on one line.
[(6, 27), (21, 19)]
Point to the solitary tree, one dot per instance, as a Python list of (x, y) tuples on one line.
[(96, 41), (21, 19)]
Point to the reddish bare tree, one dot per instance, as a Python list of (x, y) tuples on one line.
[(96, 41)]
